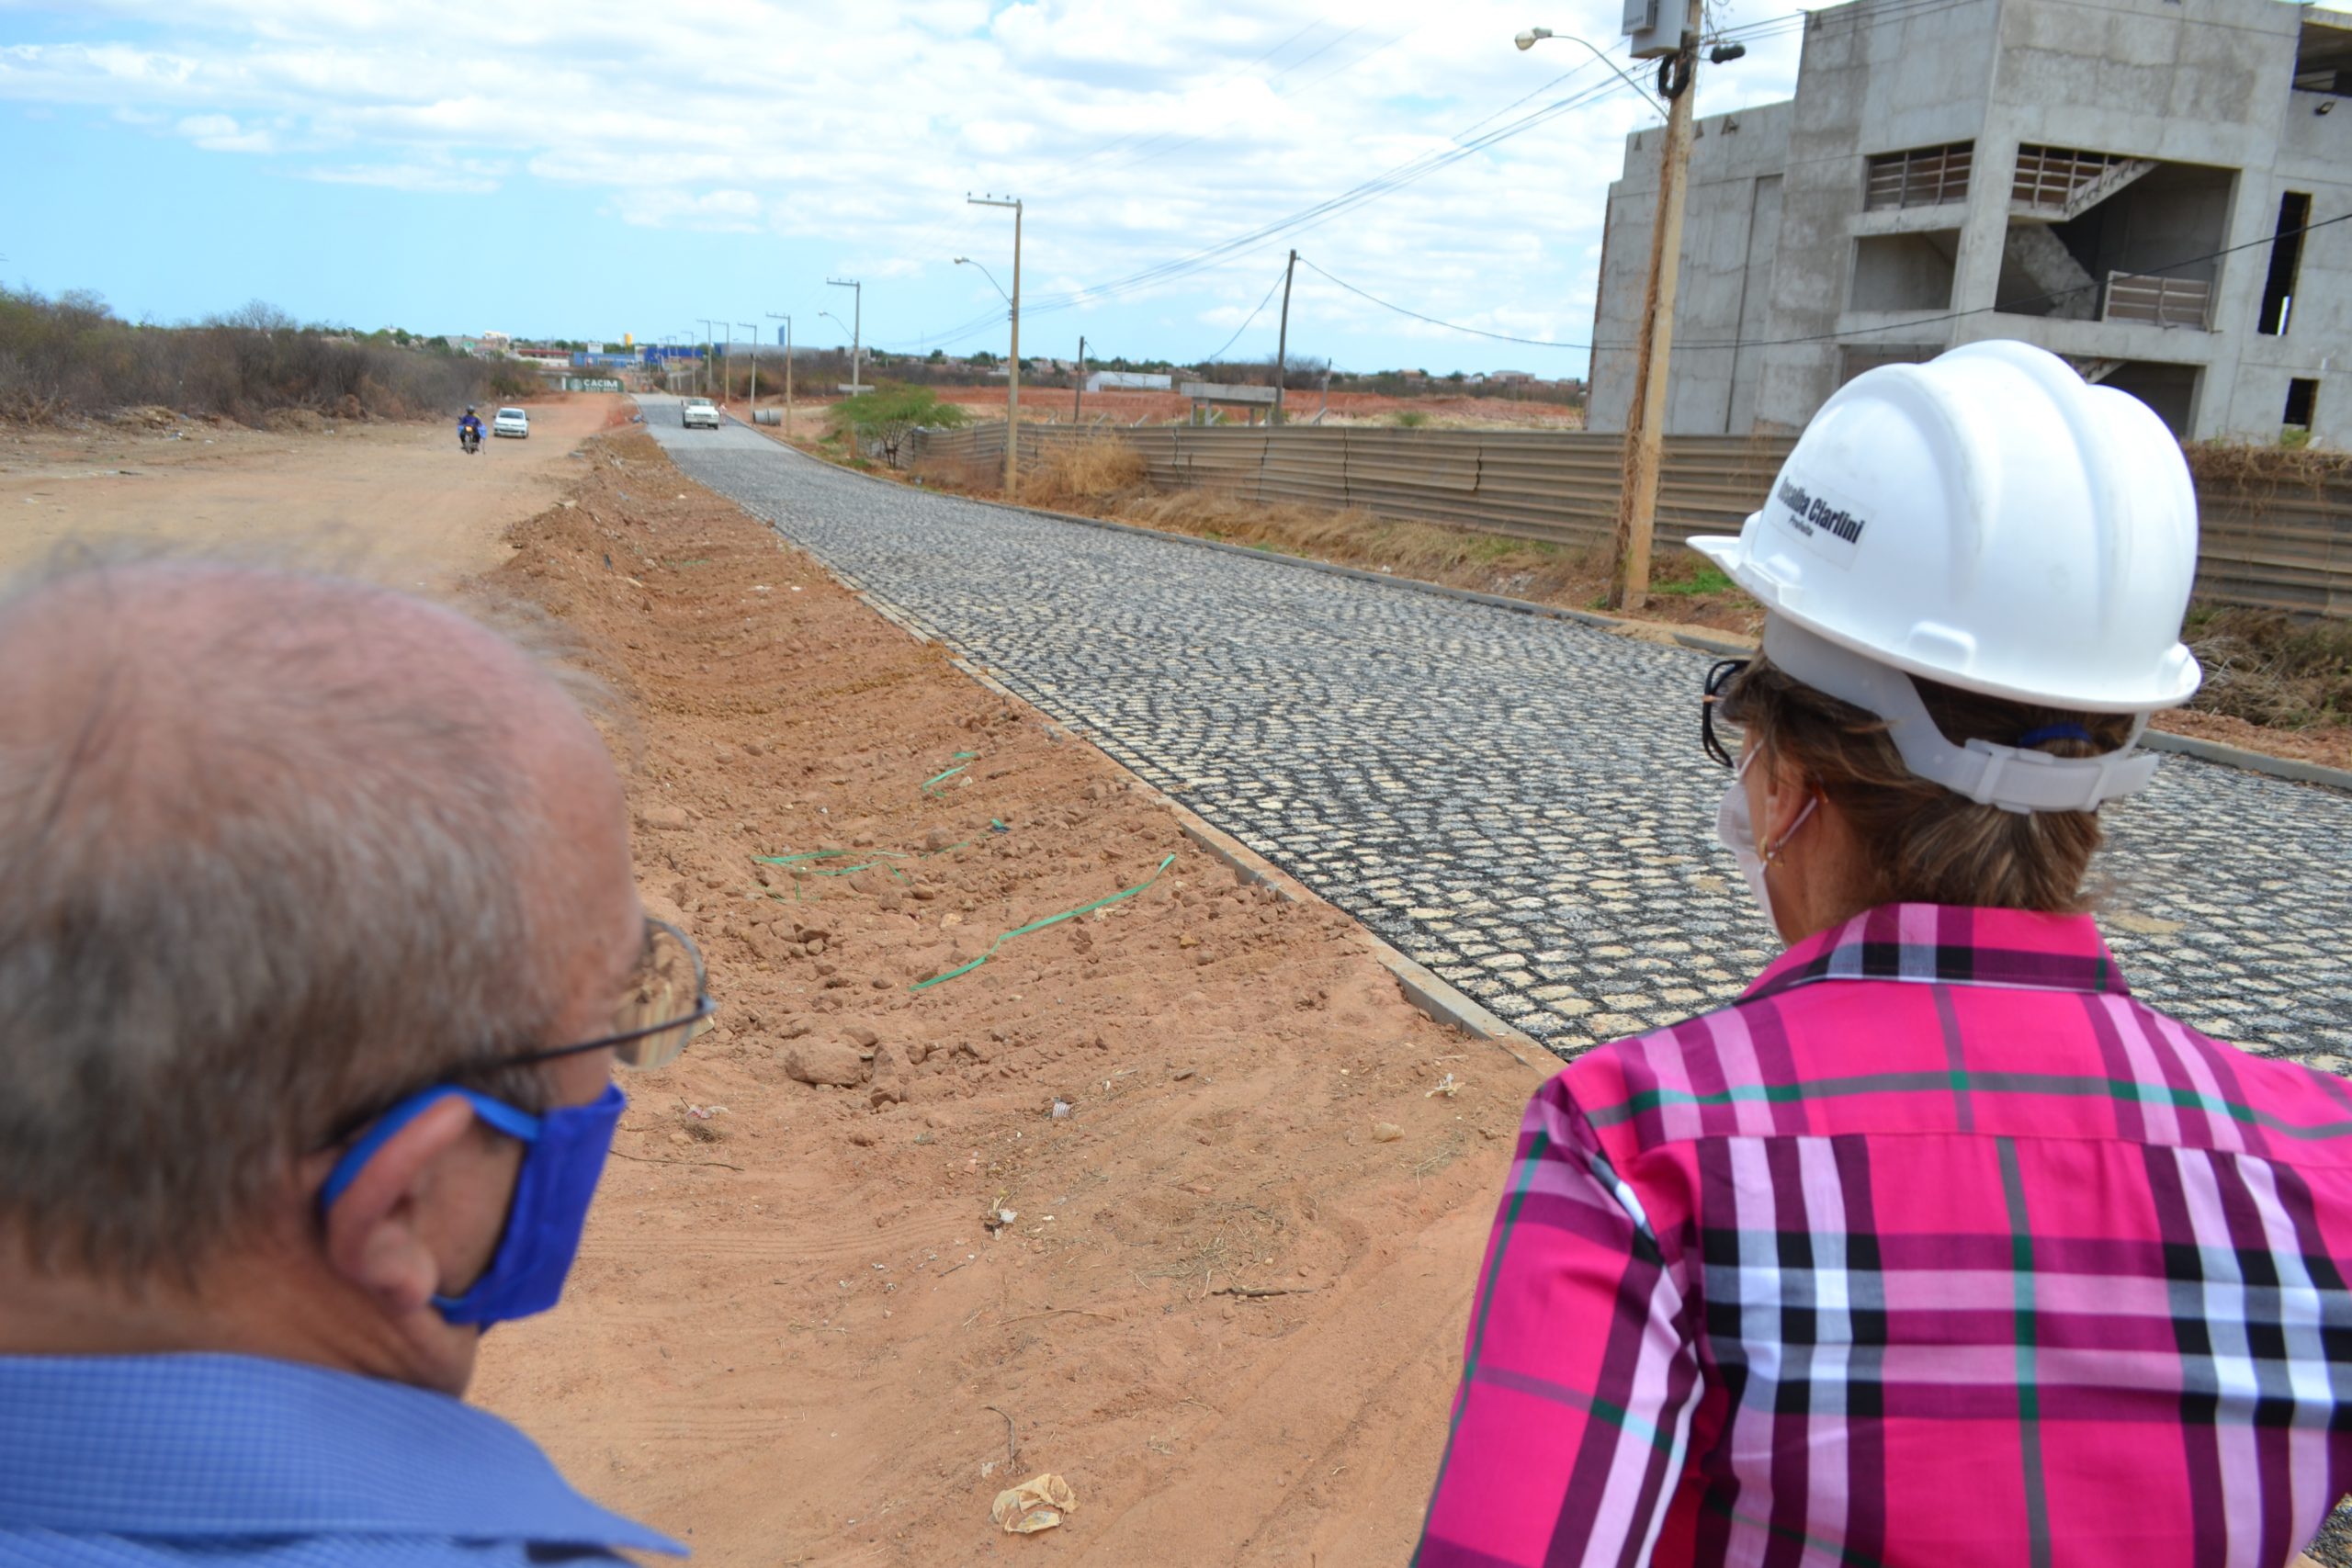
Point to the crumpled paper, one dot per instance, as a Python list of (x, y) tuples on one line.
[(1037, 1504)]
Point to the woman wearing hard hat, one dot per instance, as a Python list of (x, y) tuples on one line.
[(1937, 1246)]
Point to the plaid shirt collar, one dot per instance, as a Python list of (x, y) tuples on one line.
[(1951, 945)]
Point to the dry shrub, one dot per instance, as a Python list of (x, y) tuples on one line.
[(2223, 467), (71, 355), (2271, 669), (1527, 569), (1092, 471)]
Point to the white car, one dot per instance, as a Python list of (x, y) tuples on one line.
[(699, 411), (511, 422)]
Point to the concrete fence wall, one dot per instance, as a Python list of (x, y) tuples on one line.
[(2280, 542)]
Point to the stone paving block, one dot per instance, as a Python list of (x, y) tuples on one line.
[(1518, 803)]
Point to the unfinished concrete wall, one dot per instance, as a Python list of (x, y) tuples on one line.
[(1726, 225), (2203, 88), (1872, 79)]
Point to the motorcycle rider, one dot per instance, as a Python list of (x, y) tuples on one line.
[(469, 428)]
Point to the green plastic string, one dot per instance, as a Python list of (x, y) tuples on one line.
[(961, 759), (1041, 925)]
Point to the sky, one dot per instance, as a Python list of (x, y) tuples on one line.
[(585, 169)]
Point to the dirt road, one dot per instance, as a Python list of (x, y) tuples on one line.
[(828, 1323), (1221, 1293), (397, 502)]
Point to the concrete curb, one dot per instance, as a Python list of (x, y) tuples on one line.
[(2215, 751), (2290, 768), (1424, 989), (1703, 642)]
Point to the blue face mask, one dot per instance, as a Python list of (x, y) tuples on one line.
[(563, 1155)]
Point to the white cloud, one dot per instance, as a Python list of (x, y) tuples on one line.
[(1139, 131), (439, 178), (221, 133)]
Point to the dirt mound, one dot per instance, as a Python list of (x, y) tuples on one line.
[(294, 421), (951, 1196), (145, 416)]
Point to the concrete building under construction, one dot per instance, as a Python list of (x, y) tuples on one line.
[(2123, 182)]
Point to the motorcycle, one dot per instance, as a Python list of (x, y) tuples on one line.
[(469, 439)]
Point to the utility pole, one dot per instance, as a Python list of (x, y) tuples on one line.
[(1629, 586), (752, 328), (857, 325), (1282, 342), (1012, 379), (775, 316), (1078, 387), (709, 342)]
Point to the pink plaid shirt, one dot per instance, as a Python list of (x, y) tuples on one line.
[(1936, 1248)]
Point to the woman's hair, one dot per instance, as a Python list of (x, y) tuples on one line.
[(1922, 842)]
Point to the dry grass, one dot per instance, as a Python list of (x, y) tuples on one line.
[(1076, 474), (1687, 590), (2271, 669), (2256, 471)]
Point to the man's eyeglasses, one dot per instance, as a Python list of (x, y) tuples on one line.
[(665, 1006), (1721, 675)]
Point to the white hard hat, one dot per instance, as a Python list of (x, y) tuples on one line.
[(1991, 520)]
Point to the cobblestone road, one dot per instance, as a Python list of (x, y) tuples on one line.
[(1518, 803)]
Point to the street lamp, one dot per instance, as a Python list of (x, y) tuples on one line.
[(776, 316), (857, 326), (1012, 370), (966, 261), (1530, 36), (1629, 577)]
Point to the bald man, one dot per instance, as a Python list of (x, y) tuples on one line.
[(318, 947)]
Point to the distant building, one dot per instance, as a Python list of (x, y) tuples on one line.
[(1129, 381), (1511, 377), (2105, 180)]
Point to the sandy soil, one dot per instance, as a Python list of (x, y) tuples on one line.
[(2328, 745), (1217, 1296), (397, 502)]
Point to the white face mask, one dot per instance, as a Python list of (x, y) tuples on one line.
[(1736, 825)]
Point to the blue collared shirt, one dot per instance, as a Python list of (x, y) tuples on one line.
[(107, 1460)]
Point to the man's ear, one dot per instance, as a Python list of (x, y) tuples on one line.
[(375, 1236)]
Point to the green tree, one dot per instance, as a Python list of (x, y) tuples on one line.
[(938, 357), (886, 415)]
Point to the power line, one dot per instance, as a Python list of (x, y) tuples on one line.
[(2007, 306), (1245, 323), (1381, 184), (1390, 180), (1450, 326)]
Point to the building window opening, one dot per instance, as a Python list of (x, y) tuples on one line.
[(2324, 59), (1924, 176), (2109, 238), (2170, 390), (1904, 271), (2302, 398), (2286, 262)]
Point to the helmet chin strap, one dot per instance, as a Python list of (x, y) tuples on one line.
[(1981, 770)]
